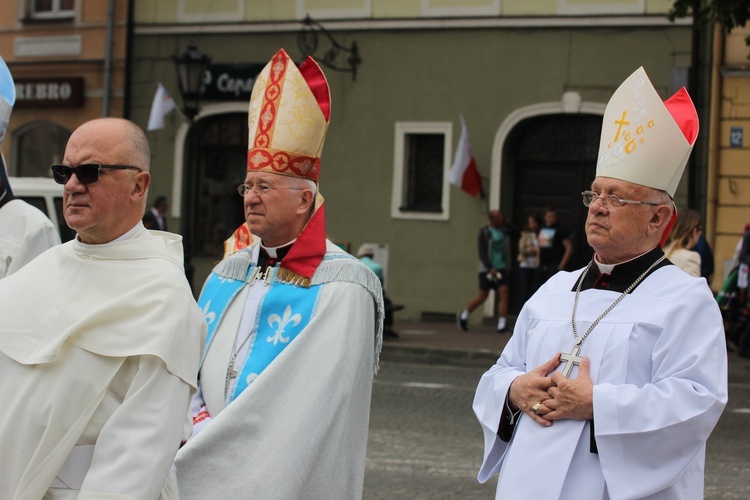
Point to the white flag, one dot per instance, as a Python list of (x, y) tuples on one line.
[(163, 104)]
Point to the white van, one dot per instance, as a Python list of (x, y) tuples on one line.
[(46, 195)]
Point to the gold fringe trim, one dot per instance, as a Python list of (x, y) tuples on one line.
[(291, 277)]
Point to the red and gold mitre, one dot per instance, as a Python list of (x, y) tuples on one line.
[(288, 118)]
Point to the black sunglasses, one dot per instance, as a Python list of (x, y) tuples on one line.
[(86, 174)]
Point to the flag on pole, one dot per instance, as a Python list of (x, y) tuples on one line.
[(162, 104), (464, 172)]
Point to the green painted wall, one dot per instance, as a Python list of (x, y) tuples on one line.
[(424, 75)]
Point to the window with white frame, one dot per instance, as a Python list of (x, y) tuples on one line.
[(51, 9), (420, 169)]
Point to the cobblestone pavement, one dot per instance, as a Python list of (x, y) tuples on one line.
[(728, 449), (425, 443)]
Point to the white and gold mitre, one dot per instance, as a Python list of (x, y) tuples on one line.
[(288, 118), (644, 140)]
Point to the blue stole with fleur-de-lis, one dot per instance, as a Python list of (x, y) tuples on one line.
[(217, 294), (285, 311), (282, 315)]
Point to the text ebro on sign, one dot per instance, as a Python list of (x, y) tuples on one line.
[(49, 92)]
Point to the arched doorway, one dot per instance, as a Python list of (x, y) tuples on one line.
[(36, 146), (548, 160), (216, 156)]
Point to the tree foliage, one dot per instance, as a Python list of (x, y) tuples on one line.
[(728, 13)]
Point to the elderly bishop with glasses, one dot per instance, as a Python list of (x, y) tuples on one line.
[(295, 323), (616, 374), (100, 338)]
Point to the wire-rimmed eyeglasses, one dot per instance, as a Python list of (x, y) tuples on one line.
[(610, 200), (261, 188), (86, 174)]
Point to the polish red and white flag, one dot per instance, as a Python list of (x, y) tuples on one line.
[(464, 172)]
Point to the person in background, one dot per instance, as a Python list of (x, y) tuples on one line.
[(25, 232), (616, 374), (100, 338), (155, 217), (555, 247), (707, 257), (733, 294), (494, 246), (739, 333), (682, 238), (366, 253), (740, 243), (295, 322), (528, 257)]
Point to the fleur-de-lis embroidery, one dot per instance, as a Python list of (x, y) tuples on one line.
[(288, 318), (209, 316)]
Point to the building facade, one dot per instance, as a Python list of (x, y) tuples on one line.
[(728, 207), (531, 79), (68, 59)]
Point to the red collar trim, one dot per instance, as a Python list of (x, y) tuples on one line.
[(308, 250)]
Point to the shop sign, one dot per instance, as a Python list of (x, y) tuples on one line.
[(230, 82), (49, 92)]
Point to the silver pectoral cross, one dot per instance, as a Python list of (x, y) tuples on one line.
[(231, 374), (570, 360)]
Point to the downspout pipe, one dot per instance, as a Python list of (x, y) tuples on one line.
[(714, 146), (107, 91)]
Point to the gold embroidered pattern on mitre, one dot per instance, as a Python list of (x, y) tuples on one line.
[(286, 124), (640, 141)]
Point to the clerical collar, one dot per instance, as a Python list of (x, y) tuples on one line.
[(279, 252), (607, 268), (269, 256), (619, 277)]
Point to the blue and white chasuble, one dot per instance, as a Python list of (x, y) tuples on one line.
[(289, 395)]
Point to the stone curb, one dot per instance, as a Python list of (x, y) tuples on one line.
[(477, 358)]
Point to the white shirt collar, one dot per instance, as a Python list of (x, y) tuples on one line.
[(271, 251), (134, 233), (607, 268)]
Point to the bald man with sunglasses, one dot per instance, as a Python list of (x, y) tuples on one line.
[(100, 338)]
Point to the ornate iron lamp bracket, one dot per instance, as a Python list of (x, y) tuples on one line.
[(307, 41)]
